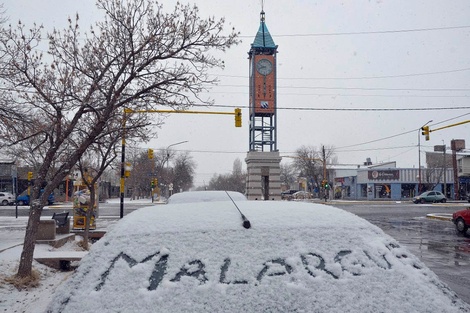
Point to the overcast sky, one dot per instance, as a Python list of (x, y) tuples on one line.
[(334, 56)]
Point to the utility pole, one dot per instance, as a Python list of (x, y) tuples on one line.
[(325, 190)]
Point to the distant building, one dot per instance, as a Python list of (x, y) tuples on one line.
[(8, 176)]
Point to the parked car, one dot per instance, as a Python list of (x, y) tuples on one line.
[(430, 196), (461, 219), (287, 194), (250, 256), (23, 198), (302, 195), (6, 198)]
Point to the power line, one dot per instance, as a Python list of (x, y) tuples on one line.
[(359, 77), (357, 88), (341, 109), (374, 149), (349, 95), (368, 32), (401, 134)]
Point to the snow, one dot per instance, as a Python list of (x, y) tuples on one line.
[(205, 196), (197, 257)]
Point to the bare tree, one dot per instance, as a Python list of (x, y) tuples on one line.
[(235, 181), (135, 55), (288, 174), (92, 164), (141, 174), (310, 162), (183, 172)]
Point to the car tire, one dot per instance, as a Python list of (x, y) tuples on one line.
[(460, 226), (423, 201), (444, 200), (5, 202), (21, 202)]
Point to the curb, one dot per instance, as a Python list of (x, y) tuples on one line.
[(440, 216)]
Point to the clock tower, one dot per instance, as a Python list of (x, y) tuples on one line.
[(263, 160)]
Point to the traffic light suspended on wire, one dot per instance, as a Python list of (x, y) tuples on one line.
[(425, 131), (238, 117), (150, 154)]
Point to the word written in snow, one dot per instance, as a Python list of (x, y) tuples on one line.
[(345, 261)]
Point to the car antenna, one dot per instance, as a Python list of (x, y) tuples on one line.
[(246, 222)]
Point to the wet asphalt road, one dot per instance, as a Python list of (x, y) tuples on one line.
[(434, 241)]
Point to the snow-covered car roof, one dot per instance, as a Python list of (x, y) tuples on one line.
[(295, 257), (206, 196)]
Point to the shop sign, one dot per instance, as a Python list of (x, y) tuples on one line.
[(384, 174)]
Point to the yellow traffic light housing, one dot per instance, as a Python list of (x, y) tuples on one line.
[(425, 131), (238, 117), (150, 154), (127, 169), (30, 176)]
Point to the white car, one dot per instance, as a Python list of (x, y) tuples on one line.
[(205, 196), (251, 256), (6, 198)]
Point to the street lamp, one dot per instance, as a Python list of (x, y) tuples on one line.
[(419, 156), (168, 161)]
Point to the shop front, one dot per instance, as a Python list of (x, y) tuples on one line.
[(399, 183)]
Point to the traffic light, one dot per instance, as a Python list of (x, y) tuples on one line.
[(127, 169), (327, 186), (30, 176), (238, 117), (152, 184), (150, 154), (426, 131)]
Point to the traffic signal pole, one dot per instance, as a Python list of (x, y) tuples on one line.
[(238, 123), (426, 130)]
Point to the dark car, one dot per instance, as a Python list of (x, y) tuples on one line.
[(430, 196), (288, 194), (461, 219)]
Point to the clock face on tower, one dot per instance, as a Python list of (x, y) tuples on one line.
[(264, 67)]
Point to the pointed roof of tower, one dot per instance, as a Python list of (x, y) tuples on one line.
[(263, 38)]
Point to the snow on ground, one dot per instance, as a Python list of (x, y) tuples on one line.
[(35, 299), (12, 232)]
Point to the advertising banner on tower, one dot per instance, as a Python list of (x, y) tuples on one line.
[(263, 75)]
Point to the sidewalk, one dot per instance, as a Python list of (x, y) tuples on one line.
[(12, 230)]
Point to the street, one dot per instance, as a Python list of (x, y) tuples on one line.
[(434, 241), (108, 209)]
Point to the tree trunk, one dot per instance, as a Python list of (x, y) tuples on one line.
[(26, 261)]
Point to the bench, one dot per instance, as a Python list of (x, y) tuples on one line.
[(62, 222), (60, 260)]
